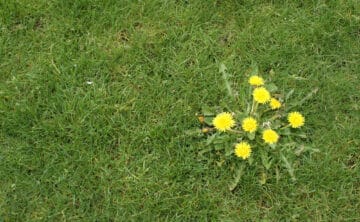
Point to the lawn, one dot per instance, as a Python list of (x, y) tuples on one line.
[(97, 97)]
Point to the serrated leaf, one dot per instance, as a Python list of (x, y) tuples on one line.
[(210, 139), (238, 174), (229, 150), (288, 166), (307, 97), (225, 75), (289, 145), (224, 104), (250, 160), (271, 72), (288, 95), (206, 111), (202, 152), (208, 120), (285, 132), (222, 68), (220, 163), (301, 135), (302, 148), (240, 115), (254, 70), (265, 160), (222, 138), (192, 132), (273, 145), (251, 136), (248, 108), (276, 124), (219, 146), (277, 173), (263, 178), (271, 87)]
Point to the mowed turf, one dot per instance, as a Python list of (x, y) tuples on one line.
[(96, 97)]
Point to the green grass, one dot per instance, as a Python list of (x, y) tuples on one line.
[(117, 150)]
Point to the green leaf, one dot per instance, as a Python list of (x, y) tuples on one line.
[(248, 108), (222, 68), (273, 145), (263, 178), (192, 132), (277, 173), (208, 120), (265, 159), (271, 87), (301, 135), (307, 97), (210, 139), (251, 136), (240, 115), (289, 94), (219, 146), (225, 75), (202, 152), (229, 150), (288, 146), (302, 148), (271, 72), (222, 138), (207, 111), (220, 163), (251, 160), (276, 124), (254, 70), (239, 172), (288, 166), (285, 132)]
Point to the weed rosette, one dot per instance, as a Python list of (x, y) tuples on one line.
[(265, 135)]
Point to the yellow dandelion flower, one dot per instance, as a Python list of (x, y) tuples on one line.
[(261, 95), (256, 81), (270, 136), (223, 121), (243, 150), (296, 120), (274, 103), (249, 124)]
